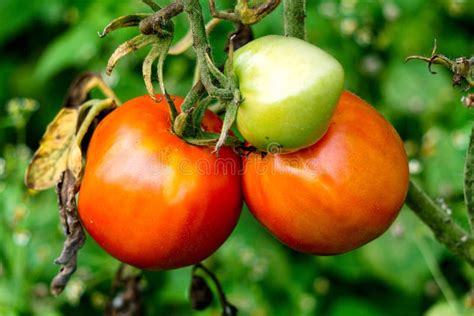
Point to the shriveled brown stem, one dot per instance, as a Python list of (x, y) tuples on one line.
[(73, 230)]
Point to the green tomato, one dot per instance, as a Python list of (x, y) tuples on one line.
[(290, 90)]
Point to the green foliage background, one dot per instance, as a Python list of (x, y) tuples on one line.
[(45, 44)]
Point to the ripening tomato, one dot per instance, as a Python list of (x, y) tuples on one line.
[(338, 194), (290, 90), (149, 198)]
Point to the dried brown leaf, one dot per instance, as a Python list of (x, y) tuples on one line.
[(50, 160)]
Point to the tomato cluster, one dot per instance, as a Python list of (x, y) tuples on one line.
[(338, 180)]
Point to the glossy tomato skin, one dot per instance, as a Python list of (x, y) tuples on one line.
[(150, 199), (290, 90), (338, 194)]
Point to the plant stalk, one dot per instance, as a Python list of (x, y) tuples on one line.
[(448, 232), (193, 10), (294, 17)]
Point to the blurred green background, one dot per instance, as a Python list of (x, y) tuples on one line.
[(45, 44)]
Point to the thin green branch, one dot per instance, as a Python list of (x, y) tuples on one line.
[(193, 10), (193, 96), (295, 13), (231, 16), (448, 232)]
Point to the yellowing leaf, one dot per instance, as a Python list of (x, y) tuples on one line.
[(74, 162), (50, 160)]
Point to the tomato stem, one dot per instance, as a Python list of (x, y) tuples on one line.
[(201, 45), (294, 18), (448, 232), (154, 24)]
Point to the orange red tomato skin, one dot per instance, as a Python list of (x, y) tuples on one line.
[(152, 200), (338, 194)]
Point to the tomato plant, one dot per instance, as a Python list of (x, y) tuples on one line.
[(338, 194), (327, 185), (152, 200), (290, 89)]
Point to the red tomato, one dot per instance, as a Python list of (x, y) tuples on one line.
[(152, 200), (338, 194)]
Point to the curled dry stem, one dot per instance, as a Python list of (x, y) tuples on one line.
[(81, 87), (123, 21), (243, 13), (59, 160), (128, 47), (462, 67), (67, 188)]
